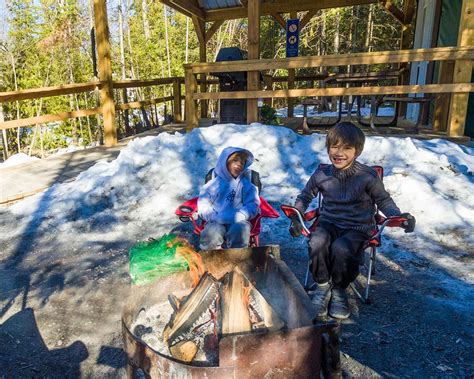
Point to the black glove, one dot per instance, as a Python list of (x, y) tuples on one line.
[(295, 227), (409, 224)]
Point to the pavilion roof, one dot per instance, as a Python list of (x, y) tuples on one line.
[(219, 10)]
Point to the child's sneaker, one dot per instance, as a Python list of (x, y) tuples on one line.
[(339, 307), (320, 297)]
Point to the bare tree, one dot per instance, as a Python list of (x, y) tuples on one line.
[(146, 24), (370, 29)]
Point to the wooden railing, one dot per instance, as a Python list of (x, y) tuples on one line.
[(68, 89), (448, 54)]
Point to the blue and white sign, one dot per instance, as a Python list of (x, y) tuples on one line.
[(292, 37)]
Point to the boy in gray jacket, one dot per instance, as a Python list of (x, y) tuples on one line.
[(350, 191), (229, 201)]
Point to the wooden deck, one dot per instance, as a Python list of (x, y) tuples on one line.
[(30, 178), (405, 128)]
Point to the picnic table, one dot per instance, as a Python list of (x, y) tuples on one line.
[(353, 79), (422, 100)]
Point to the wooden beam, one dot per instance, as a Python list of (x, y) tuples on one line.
[(341, 91), (144, 83), (214, 28), (176, 8), (36, 93), (393, 10), (282, 6), (188, 6), (442, 101), (21, 123), (200, 28), (307, 18), (69, 89), (253, 77), (105, 72), (462, 72), (279, 19), (31, 121), (379, 57), (144, 103), (406, 43)]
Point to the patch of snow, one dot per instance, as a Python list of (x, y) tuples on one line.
[(17, 159)]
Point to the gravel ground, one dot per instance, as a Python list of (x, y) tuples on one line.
[(60, 309)]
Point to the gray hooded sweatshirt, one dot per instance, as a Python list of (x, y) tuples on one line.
[(225, 199)]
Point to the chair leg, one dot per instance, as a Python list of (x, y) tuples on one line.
[(369, 272), (371, 269)]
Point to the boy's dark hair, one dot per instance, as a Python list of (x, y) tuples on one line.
[(346, 133)]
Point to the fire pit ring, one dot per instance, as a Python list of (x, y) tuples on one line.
[(300, 350)]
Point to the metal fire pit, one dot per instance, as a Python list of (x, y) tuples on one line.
[(302, 350)]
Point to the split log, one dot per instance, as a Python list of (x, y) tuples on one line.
[(234, 310), (190, 310), (244, 308), (184, 351)]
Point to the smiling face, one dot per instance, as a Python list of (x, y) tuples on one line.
[(236, 164), (342, 155)]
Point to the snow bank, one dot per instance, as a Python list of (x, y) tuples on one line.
[(136, 194)]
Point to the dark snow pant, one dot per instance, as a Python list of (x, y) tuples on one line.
[(335, 254)]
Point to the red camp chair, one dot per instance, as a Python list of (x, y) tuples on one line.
[(369, 246), (188, 212)]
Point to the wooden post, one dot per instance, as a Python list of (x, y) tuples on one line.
[(203, 87), (442, 100), (253, 77), (177, 101), (406, 43), (105, 72), (291, 80), (4, 135), (462, 72), (200, 28), (191, 87)]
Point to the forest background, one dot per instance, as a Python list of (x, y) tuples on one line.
[(48, 42)]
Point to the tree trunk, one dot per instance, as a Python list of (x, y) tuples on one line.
[(146, 25), (187, 40), (370, 29), (4, 135), (17, 103), (349, 45), (128, 130), (322, 38), (94, 74), (167, 41), (336, 34)]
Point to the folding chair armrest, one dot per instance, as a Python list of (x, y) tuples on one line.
[(312, 214), (391, 222), (187, 209), (292, 213)]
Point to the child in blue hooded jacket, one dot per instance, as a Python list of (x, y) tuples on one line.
[(229, 201)]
